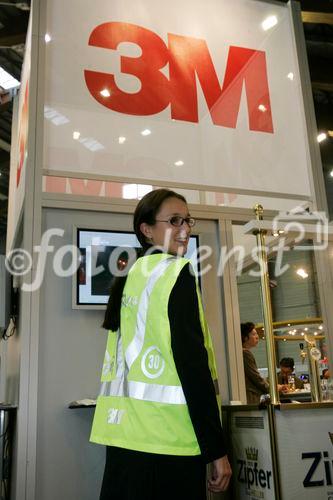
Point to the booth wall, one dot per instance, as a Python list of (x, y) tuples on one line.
[(71, 350)]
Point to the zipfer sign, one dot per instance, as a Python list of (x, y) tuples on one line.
[(255, 479), (320, 469), (188, 60)]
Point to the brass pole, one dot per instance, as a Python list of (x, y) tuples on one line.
[(313, 369), (267, 308)]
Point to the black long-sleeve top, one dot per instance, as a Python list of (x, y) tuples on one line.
[(191, 359)]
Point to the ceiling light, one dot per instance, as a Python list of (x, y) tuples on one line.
[(269, 22), (302, 273), (179, 163), (76, 135), (47, 38), (146, 131), (306, 329), (331, 173), (302, 334), (105, 93), (321, 137), (262, 108), (7, 81), (330, 133), (290, 76), (321, 327), (121, 139), (315, 333)]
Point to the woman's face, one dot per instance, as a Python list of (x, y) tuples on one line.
[(172, 239), (253, 339)]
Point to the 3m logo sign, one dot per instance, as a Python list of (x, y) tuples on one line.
[(187, 60)]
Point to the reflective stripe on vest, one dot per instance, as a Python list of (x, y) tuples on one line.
[(121, 386), (135, 347), (155, 393)]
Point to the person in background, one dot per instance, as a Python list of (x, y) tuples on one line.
[(287, 369), (255, 384), (157, 411)]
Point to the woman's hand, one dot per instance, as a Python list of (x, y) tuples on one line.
[(220, 475)]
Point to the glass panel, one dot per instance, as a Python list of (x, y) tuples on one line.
[(294, 299)]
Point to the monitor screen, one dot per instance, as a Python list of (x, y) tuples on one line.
[(104, 255)]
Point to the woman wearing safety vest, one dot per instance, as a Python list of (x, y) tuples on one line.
[(157, 411)]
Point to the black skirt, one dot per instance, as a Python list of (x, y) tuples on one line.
[(135, 475)]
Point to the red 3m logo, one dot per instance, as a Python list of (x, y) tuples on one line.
[(187, 58)]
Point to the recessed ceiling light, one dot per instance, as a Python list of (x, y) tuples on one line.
[(321, 137), (179, 163), (105, 93), (47, 38), (146, 131), (76, 135), (269, 22), (121, 139)]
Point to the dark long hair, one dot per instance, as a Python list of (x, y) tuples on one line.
[(146, 211), (246, 329)]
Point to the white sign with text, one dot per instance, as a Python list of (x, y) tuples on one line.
[(197, 94)]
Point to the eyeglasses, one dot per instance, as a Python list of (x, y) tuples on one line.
[(178, 221)]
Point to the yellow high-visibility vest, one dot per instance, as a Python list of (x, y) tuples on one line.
[(141, 405)]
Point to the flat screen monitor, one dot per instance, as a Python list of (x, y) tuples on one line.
[(104, 254)]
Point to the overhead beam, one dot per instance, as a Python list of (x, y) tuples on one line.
[(317, 17), (10, 40), (326, 87), (4, 145)]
